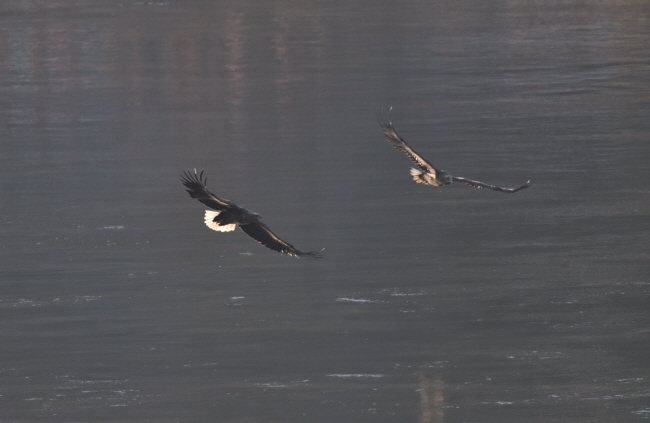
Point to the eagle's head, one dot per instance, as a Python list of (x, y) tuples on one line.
[(445, 178)]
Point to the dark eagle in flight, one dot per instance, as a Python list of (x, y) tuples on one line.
[(425, 173), (226, 216)]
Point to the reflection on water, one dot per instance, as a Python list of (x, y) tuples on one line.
[(432, 395), (431, 305)]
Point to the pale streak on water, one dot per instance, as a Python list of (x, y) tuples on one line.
[(431, 305)]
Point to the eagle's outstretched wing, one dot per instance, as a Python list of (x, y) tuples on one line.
[(477, 184), (196, 187), (262, 234), (397, 142)]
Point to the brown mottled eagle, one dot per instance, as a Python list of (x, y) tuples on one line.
[(226, 216), (425, 173)]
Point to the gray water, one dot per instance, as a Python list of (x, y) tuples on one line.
[(432, 304)]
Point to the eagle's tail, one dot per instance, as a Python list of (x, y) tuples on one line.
[(418, 176), (210, 222)]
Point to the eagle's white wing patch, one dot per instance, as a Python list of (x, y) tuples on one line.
[(210, 223)]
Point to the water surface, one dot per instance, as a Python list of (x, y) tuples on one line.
[(432, 304)]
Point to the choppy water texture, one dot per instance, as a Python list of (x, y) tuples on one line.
[(432, 304)]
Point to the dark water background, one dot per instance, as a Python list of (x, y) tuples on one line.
[(432, 304)]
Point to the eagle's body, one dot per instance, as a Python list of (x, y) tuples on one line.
[(226, 216), (436, 179), (425, 173)]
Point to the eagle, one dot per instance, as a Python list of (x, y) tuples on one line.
[(226, 216), (425, 173)]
